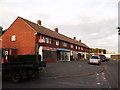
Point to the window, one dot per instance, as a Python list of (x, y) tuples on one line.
[(50, 40), (76, 47), (40, 36), (43, 39), (64, 44), (47, 40), (57, 42), (71, 46), (79, 47), (94, 57), (13, 38)]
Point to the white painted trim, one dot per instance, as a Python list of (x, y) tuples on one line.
[(40, 52), (35, 33)]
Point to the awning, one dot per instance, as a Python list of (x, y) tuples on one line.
[(61, 49)]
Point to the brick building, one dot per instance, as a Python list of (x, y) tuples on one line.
[(25, 37)]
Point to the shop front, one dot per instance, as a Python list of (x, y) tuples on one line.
[(48, 54), (77, 55), (81, 56), (63, 54)]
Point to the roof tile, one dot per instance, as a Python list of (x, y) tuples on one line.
[(45, 31)]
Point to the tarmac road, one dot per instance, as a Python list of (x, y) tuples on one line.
[(74, 74), (111, 71)]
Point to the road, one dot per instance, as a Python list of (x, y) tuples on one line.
[(74, 74)]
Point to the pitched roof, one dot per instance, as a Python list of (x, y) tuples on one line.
[(51, 33)]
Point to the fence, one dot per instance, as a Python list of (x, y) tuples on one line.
[(116, 57)]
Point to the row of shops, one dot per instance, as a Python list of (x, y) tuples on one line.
[(49, 54)]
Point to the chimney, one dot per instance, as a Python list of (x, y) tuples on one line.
[(39, 22), (56, 30), (74, 38), (79, 40)]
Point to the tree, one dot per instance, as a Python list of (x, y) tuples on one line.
[(97, 50), (104, 51)]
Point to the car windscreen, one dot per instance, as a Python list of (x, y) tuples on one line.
[(94, 57), (102, 56)]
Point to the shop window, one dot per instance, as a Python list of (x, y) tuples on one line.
[(13, 38), (57, 42), (49, 55), (64, 56)]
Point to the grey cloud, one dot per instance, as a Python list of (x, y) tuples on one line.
[(95, 34)]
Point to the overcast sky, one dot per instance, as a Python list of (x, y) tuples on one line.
[(93, 22)]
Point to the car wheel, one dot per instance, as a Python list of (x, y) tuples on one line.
[(99, 63), (16, 77), (89, 63)]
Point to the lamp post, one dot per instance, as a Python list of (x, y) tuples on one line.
[(118, 39)]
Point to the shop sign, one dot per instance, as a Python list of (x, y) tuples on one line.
[(49, 48)]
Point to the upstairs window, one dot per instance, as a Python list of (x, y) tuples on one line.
[(46, 40), (40, 36), (71, 46), (64, 44), (79, 47), (50, 40), (76, 47), (43, 39), (57, 42), (13, 38)]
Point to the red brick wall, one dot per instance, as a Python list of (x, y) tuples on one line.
[(53, 44), (25, 38)]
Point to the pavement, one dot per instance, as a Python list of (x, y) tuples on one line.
[(70, 69)]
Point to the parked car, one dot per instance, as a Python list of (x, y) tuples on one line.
[(95, 60), (107, 58), (102, 58)]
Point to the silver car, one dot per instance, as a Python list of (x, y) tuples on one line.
[(95, 60)]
